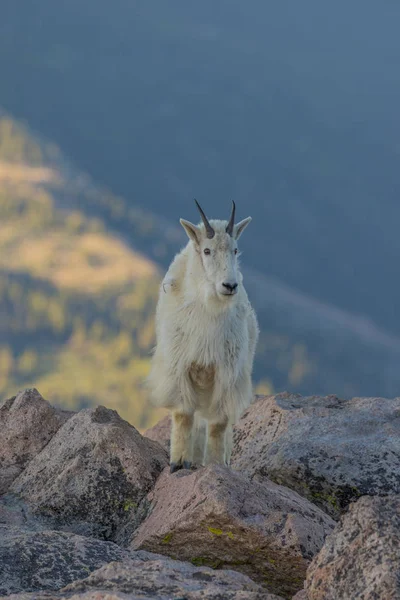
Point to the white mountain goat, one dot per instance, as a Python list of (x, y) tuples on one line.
[(206, 334)]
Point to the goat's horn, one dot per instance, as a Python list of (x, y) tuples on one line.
[(229, 227), (210, 231)]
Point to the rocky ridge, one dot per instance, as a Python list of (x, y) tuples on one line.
[(88, 508)]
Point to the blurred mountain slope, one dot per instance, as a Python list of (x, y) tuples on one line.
[(77, 298)]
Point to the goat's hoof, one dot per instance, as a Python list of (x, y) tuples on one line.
[(175, 467)]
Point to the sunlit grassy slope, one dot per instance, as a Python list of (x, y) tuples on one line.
[(76, 302)]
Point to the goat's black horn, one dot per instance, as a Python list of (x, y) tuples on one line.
[(209, 230), (231, 224)]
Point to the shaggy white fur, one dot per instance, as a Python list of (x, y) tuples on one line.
[(206, 333)]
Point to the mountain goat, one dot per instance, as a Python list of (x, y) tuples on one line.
[(206, 334)]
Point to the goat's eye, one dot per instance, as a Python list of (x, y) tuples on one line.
[(236, 251), (207, 251)]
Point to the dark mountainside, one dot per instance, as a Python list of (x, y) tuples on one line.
[(289, 108)]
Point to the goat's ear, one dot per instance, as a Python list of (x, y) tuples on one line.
[(240, 227), (192, 231)]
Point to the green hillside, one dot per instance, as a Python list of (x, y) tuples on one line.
[(76, 303)]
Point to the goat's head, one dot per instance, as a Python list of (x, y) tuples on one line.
[(216, 244)]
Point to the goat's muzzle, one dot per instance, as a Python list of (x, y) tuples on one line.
[(230, 289)]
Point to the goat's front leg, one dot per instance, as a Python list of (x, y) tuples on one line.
[(216, 444), (199, 440), (181, 441)]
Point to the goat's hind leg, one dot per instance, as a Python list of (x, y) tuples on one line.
[(181, 441)]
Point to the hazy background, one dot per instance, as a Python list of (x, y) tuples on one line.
[(116, 114)]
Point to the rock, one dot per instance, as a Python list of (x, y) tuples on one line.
[(27, 424), (302, 595), (48, 560), (92, 475), (159, 578), (163, 578), (218, 518), (161, 432), (361, 559), (329, 450), (145, 576), (16, 513)]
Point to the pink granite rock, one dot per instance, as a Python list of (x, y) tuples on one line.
[(161, 432), (27, 424), (361, 558), (218, 518), (145, 576), (92, 475), (329, 450)]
